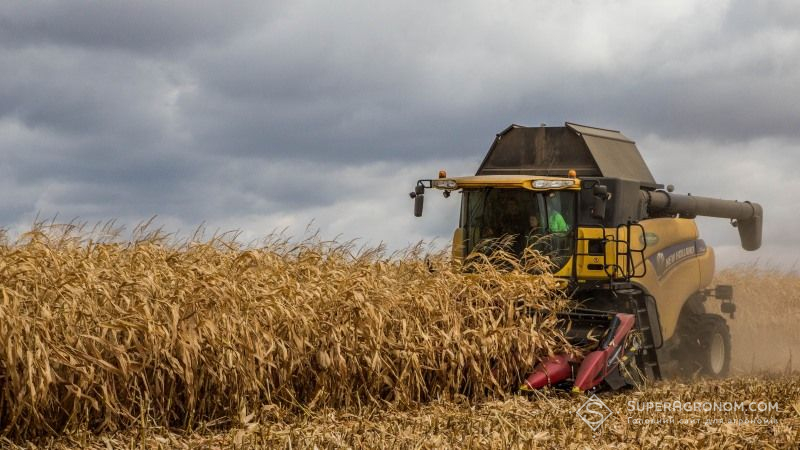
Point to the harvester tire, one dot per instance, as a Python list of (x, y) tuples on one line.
[(714, 338), (708, 347), (705, 346)]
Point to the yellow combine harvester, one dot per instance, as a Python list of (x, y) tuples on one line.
[(627, 249)]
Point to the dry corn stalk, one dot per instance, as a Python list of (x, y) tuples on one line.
[(103, 333)]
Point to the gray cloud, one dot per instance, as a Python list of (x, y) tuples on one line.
[(261, 116), (145, 27), (748, 17)]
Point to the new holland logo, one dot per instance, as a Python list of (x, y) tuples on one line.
[(661, 263), (669, 257), (594, 412)]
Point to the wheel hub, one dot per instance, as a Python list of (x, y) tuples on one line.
[(717, 353)]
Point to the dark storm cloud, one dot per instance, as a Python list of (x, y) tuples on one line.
[(346, 90), (261, 115), (84, 95), (334, 133), (146, 27), (735, 80)]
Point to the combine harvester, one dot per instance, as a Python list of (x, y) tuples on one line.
[(626, 249)]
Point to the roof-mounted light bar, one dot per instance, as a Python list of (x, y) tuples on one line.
[(444, 184), (552, 184)]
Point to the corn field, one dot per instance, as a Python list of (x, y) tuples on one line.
[(155, 342), (546, 421), (104, 334)]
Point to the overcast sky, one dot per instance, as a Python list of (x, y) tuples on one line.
[(261, 116)]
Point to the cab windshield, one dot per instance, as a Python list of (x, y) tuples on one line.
[(542, 220)]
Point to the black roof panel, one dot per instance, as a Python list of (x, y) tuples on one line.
[(553, 151)]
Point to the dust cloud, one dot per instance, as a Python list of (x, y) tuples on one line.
[(764, 331)]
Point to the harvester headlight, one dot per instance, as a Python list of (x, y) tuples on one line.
[(552, 184), (444, 184)]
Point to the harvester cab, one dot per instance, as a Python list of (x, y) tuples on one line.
[(628, 250)]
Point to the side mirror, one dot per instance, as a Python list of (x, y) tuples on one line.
[(600, 193), (723, 292), (419, 198)]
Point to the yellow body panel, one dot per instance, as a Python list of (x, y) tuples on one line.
[(676, 284), (671, 244), (707, 265)]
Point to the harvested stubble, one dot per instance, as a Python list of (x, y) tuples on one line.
[(105, 334), (540, 422)]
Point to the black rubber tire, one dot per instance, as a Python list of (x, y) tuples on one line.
[(700, 351), (714, 327)]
